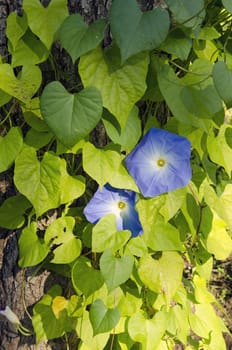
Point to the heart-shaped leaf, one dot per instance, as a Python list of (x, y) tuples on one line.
[(106, 166), (101, 318), (85, 278), (10, 146), (44, 22), (16, 27), (126, 83), (38, 181), (24, 87), (12, 212), (148, 331), (78, 38), (60, 234), (70, 116), (138, 31), (222, 77), (105, 235), (115, 270), (32, 249)]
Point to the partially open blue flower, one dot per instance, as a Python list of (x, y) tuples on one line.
[(160, 162), (109, 200)]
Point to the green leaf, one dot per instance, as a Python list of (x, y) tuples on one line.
[(71, 187), (173, 202), (103, 319), (126, 83), (204, 321), (37, 139), (105, 235), (136, 246), (33, 117), (178, 44), (39, 18), (105, 166), (85, 278), (165, 237), (115, 270), (130, 135), (10, 146), (202, 294), (32, 249), (178, 324), (70, 116), (163, 275), (189, 100), (60, 234), (219, 151), (221, 205), (140, 31), (28, 50), (24, 87), (16, 28), (227, 4), (222, 77), (38, 181), (12, 212), (190, 14), (218, 241), (148, 332), (78, 38), (45, 323), (4, 98), (85, 332)]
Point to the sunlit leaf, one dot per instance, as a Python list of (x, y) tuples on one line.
[(84, 330), (126, 83), (10, 146), (148, 332), (219, 150), (105, 235), (38, 180), (129, 136), (39, 18), (67, 245), (32, 249), (163, 275), (24, 87), (16, 27), (105, 166)]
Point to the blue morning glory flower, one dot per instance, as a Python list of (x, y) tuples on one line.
[(160, 162), (109, 200)]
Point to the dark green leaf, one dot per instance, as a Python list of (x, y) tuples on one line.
[(12, 212), (136, 31), (103, 319), (78, 38), (70, 117)]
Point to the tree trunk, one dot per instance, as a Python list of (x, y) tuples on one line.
[(21, 289)]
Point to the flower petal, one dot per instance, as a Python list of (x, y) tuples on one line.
[(106, 201), (143, 162)]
